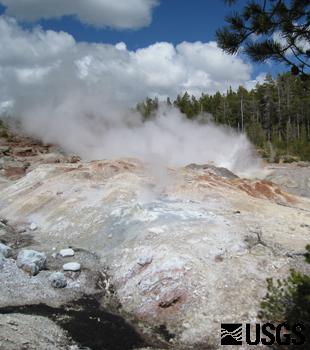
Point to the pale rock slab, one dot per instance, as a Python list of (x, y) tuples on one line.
[(72, 266)]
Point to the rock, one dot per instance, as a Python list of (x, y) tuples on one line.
[(209, 168), (17, 288), (294, 177), (66, 252), (21, 332), (74, 158), (15, 173), (58, 280), (72, 266), (31, 261), (180, 262), (24, 151), (52, 158), (5, 250), (5, 150), (16, 164), (33, 226), (2, 259)]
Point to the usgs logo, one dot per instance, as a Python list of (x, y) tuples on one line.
[(266, 334)]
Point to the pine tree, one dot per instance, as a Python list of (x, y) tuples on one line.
[(281, 29)]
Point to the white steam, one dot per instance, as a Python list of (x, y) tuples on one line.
[(168, 139), (79, 96)]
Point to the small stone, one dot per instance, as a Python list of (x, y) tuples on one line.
[(304, 225), (4, 221), (5, 250), (58, 280), (66, 252), (72, 266), (145, 260), (31, 261), (33, 226)]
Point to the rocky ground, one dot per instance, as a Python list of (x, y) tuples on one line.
[(159, 261)]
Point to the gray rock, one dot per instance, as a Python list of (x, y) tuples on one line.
[(1, 261), (223, 172), (58, 280), (72, 266), (294, 178), (5, 250), (31, 261)]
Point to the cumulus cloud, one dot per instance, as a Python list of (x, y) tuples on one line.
[(41, 63), (119, 14), (79, 95)]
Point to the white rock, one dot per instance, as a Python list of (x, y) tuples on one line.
[(5, 250), (31, 261), (72, 266), (66, 252), (33, 226)]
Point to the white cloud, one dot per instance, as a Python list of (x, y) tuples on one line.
[(39, 63), (119, 14), (78, 95)]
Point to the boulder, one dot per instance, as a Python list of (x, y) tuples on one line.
[(58, 280), (2, 259), (31, 261), (5, 250)]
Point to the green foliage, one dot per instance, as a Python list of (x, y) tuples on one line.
[(3, 130), (289, 300), (307, 255), (275, 114), (289, 19), (148, 108)]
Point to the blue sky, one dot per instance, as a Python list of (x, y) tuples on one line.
[(173, 21)]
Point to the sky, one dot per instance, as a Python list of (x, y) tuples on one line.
[(172, 21), (138, 48)]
